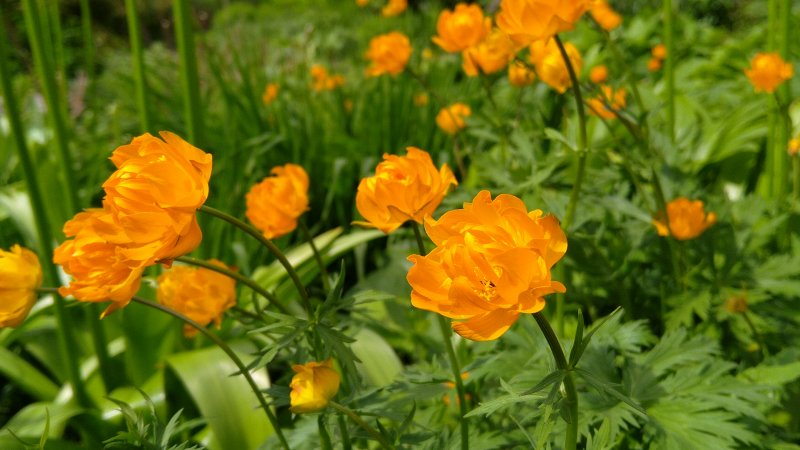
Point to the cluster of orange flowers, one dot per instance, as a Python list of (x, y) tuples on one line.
[(322, 80), (658, 54)]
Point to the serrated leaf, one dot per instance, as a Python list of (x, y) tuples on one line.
[(555, 376), (611, 390)]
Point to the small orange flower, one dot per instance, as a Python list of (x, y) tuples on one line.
[(794, 146), (687, 219), (768, 71), (550, 66), (394, 8), (389, 53), (274, 204), (324, 81), (198, 293), (421, 99), (520, 75), (313, 386), (461, 28), (20, 276), (270, 93), (659, 52), (604, 15), (362, 3), (403, 188), (490, 55), (598, 74), (526, 21), (599, 105), (451, 118), (492, 261), (654, 64)]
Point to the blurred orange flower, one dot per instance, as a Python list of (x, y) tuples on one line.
[(389, 53), (604, 15), (687, 219), (421, 99), (654, 64), (550, 66), (198, 293), (519, 74), (599, 105), (451, 118), (526, 21), (362, 3), (492, 261), (394, 8), (659, 51), (461, 28), (313, 386), (324, 81), (598, 74), (274, 204), (20, 276), (403, 188), (794, 146), (270, 93), (490, 55), (767, 71)]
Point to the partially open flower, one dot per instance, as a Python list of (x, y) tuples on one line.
[(490, 55), (389, 54), (608, 103), (526, 21), (520, 75), (394, 8), (461, 28), (768, 71), (550, 66), (274, 204), (687, 219), (403, 188), (313, 386), (451, 118), (20, 276), (492, 261), (604, 15)]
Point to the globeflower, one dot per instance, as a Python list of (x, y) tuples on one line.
[(313, 386), (599, 105), (794, 146), (604, 15), (654, 64), (520, 75), (403, 188), (526, 21), (461, 28), (490, 55), (550, 64), (451, 118), (598, 74), (270, 93), (492, 262), (274, 204), (659, 51), (767, 71), (20, 276), (687, 219), (324, 81), (200, 294), (394, 8), (389, 53)]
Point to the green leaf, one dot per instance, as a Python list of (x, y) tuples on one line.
[(19, 372), (576, 343), (555, 376), (611, 390), (772, 375), (577, 351), (379, 364)]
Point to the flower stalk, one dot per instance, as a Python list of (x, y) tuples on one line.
[(363, 424), (137, 56), (669, 67)]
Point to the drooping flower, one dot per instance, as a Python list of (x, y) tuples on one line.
[(20, 276), (274, 204), (451, 118), (526, 21), (520, 75), (490, 55), (492, 261), (270, 93), (200, 294), (687, 219), (599, 105), (313, 386), (389, 54), (461, 28), (768, 71), (598, 74), (604, 15), (550, 65), (394, 8), (403, 188)]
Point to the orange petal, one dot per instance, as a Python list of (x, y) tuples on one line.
[(487, 327)]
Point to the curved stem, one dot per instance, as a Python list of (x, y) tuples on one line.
[(231, 354), (240, 278), (570, 393), (252, 231), (363, 424), (323, 272)]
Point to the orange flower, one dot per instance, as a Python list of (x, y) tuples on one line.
[(394, 8), (198, 293), (687, 219), (520, 75), (313, 386), (403, 188), (270, 93), (659, 52), (550, 66), (767, 71), (20, 276), (389, 53), (421, 99), (274, 204), (654, 64), (794, 146), (598, 74), (461, 28), (526, 21), (492, 261), (604, 15), (324, 81), (599, 105), (490, 55), (362, 3), (451, 118)]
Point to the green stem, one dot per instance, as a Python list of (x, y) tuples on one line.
[(344, 433), (570, 392), (137, 60), (447, 332), (231, 354), (88, 39), (762, 349), (240, 278), (66, 341), (252, 231), (796, 178), (317, 255), (629, 76), (669, 67), (324, 436), (189, 79), (363, 424)]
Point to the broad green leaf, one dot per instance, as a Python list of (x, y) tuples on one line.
[(33, 420), (19, 372), (379, 364)]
